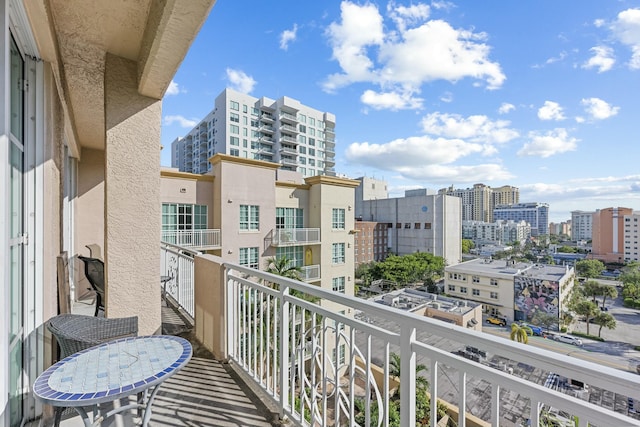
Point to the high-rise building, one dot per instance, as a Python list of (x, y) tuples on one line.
[(479, 201), (369, 189), (496, 233), (284, 131), (609, 230), (420, 222), (632, 237), (536, 214), (581, 225)]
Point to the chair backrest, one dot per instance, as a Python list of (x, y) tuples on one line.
[(94, 270)]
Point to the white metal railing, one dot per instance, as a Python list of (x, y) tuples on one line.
[(208, 238), (295, 236), (286, 343), (177, 266), (309, 273)]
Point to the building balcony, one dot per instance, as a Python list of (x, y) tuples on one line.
[(288, 150), (310, 273), (288, 161), (207, 239), (330, 132), (288, 118), (274, 338), (294, 236), (266, 129), (264, 139), (289, 128), (330, 161), (266, 118), (288, 138)]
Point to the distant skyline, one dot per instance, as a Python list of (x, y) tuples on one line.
[(539, 95)]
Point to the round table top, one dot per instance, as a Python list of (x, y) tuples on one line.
[(112, 370)]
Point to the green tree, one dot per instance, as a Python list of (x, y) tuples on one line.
[(589, 268), (608, 292), (520, 333), (591, 289), (568, 250), (605, 320), (394, 372), (588, 309), (467, 245), (546, 320)]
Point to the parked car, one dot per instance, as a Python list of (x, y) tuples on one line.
[(536, 330), (569, 339), (603, 308), (495, 320)]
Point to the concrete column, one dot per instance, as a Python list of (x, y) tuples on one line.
[(210, 305), (132, 197)]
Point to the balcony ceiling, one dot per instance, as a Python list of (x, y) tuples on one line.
[(75, 36)]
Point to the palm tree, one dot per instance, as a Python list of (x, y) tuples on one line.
[(394, 372), (608, 291), (283, 267), (520, 333)]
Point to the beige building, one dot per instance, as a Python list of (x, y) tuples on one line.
[(608, 241), (82, 87), (479, 201), (515, 291), (459, 312), (632, 237), (262, 211)]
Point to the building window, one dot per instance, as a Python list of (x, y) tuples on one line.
[(452, 288), (338, 284), (234, 117), (427, 226), (494, 295), (341, 359), (463, 290), (295, 255), (234, 129), (234, 152), (234, 105), (407, 225), (475, 292), (475, 279), (249, 257), (337, 219), (493, 282), (337, 253), (398, 225), (416, 226), (289, 218), (177, 217), (249, 217), (234, 140)]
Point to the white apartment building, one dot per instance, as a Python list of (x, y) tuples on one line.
[(496, 233), (536, 214), (479, 201), (369, 189), (420, 222), (515, 291), (283, 131), (632, 237), (581, 225)]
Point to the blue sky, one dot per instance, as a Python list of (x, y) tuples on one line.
[(542, 95)]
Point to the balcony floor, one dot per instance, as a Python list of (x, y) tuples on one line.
[(206, 392)]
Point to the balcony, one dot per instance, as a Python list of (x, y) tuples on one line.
[(266, 118), (310, 273), (289, 128), (287, 161), (330, 161), (266, 140), (294, 236), (290, 118), (288, 138), (282, 344), (266, 129), (288, 150), (207, 239)]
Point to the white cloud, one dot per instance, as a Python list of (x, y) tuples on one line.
[(446, 97), (182, 121), (173, 88), (602, 59), (476, 128), (558, 58), (288, 36), (546, 145), (423, 158), (551, 111), (627, 30), (367, 53), (390, 100), (599, 109), (404, 16), (505, 108), (240, 81)]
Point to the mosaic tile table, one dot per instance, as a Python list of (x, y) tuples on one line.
[(111, 371)]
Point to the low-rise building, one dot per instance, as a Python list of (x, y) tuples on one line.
[(460, 312), (370, 242), (515, 291)]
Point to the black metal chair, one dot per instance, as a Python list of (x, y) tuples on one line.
[(75, 332), (94, 271)]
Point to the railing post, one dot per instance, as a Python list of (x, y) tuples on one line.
[(407, 376), (211, 304), (284, 348)]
